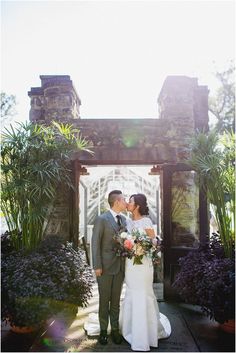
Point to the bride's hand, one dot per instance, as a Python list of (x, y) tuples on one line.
[(150, 232), (98, 272)]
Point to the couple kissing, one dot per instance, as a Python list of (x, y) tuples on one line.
[(138, 321)]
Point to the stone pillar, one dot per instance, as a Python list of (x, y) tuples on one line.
[(58, 218), (201, 108), (74, 203), (56, 99), (184, 106)]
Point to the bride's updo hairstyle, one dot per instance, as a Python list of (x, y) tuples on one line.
[(141, 201)]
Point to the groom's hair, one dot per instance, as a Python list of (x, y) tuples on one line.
[(113, 196)]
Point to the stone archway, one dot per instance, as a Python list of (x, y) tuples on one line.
[(163, 143)]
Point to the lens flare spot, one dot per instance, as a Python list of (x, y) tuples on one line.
[(130, 138), (47, 342)]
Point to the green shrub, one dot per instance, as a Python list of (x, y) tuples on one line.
[(51, 279)]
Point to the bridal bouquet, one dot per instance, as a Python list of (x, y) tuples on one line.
[(136, 245)]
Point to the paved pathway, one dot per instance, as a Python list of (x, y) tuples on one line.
[(191, 332)]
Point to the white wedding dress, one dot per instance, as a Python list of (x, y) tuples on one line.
[(141, 323)]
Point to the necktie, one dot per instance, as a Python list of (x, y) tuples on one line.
[(119, 220)]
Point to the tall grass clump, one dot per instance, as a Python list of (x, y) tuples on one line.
[(35, 161)]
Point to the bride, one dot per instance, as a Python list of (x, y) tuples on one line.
[(141, 323)]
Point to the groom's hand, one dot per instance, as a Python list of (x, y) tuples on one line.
[(98, 272)]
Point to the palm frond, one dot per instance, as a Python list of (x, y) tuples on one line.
[(35, 160), (213, 158)]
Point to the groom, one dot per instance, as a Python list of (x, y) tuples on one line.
[(109, 268)]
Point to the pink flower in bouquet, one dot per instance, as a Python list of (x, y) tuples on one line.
[(128, 244)]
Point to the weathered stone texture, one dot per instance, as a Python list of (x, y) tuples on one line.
[(183, 108), (59, 217), (185, 205), (57, 99)]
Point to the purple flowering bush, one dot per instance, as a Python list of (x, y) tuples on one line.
[(38, 285), (207, 278)]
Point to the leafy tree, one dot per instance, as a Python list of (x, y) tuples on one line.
[(222, 105), (8, 103)]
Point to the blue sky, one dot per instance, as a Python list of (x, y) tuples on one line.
[(118, 53)]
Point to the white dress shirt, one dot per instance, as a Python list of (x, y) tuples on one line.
[(114, 214)]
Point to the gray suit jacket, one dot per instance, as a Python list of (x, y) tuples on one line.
[(104, 257)]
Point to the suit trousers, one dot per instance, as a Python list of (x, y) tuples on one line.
[(109, 288)]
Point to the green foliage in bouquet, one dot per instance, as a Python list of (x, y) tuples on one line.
[(136, 245)]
